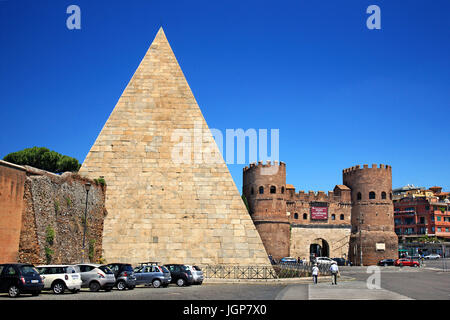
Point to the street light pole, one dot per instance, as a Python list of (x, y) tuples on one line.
[(87, 186)]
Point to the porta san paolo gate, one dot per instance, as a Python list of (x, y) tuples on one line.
[(355, 219), (183, 208)]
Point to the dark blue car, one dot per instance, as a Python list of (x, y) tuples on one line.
[(19, 278)]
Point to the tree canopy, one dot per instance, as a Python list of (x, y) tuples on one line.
[(45, 159)]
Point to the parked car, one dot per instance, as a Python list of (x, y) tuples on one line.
[(288, 260), (58, 278), (197, 274), (157, 276), (272, 260), (18, 278), (181, 275), (386, 262), (96, 277), (324, 260), (432, 256), (124, 274), (406, 262), (340, 261)]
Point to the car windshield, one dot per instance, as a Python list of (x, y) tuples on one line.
[(105, 269), (28, 270)]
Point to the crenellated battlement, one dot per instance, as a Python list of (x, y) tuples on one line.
[(260, 164), (316, 196), (358, 168)]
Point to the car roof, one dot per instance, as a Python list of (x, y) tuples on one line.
[(53, 265), (89, 264)]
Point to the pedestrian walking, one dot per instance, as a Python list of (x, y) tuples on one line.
[(334, 273), (315, 273)]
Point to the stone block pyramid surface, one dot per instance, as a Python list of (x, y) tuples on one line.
[(166, 204)]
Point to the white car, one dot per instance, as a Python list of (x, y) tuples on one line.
[(58, 278), (324, 260), (197, 274), (432, 256)]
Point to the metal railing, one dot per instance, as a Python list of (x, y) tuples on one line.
[(277, 271)]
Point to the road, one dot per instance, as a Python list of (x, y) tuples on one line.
[(426, 283)]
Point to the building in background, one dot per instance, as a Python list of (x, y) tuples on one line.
[(420, 213)]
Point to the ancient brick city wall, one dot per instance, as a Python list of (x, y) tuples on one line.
[(49, 217), (12, 180)]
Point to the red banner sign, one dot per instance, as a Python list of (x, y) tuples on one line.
[(319, 213)]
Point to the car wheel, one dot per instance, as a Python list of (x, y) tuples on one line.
[(58, 287), (94, 286), (121, 285), (156, 283), (13, 291), (180, 282)]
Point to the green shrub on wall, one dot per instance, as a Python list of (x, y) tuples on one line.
[(48, 255), (49, 235), (91, 249)]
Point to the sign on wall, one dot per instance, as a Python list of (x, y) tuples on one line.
[(319, 213)]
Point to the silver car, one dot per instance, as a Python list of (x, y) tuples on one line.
[(157, 276), (197, 274), (96, 277)]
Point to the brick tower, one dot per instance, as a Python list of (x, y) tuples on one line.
[(372, 215), (264, 186)]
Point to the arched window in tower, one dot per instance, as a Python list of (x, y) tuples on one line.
[(333, 217), (273, 189), (305, 216), (372, 195), (261, 190), (383, 195), (282, 189), (295, 215), (358, 196), (252, 191), (342, 217)]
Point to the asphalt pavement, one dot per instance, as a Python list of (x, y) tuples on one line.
[(429, 282)]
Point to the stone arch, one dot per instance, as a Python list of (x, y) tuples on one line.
[(319, 247)]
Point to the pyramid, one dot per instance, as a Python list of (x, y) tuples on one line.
[(164, 202)]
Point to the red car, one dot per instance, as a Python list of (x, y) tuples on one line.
[(406, 262)]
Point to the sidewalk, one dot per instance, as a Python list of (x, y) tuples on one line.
[(350, 290), (286, 281)]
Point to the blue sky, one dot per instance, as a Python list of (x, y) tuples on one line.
[(339, 93)]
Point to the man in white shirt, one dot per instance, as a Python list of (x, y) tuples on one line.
[(315, 273), (334, 272)]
